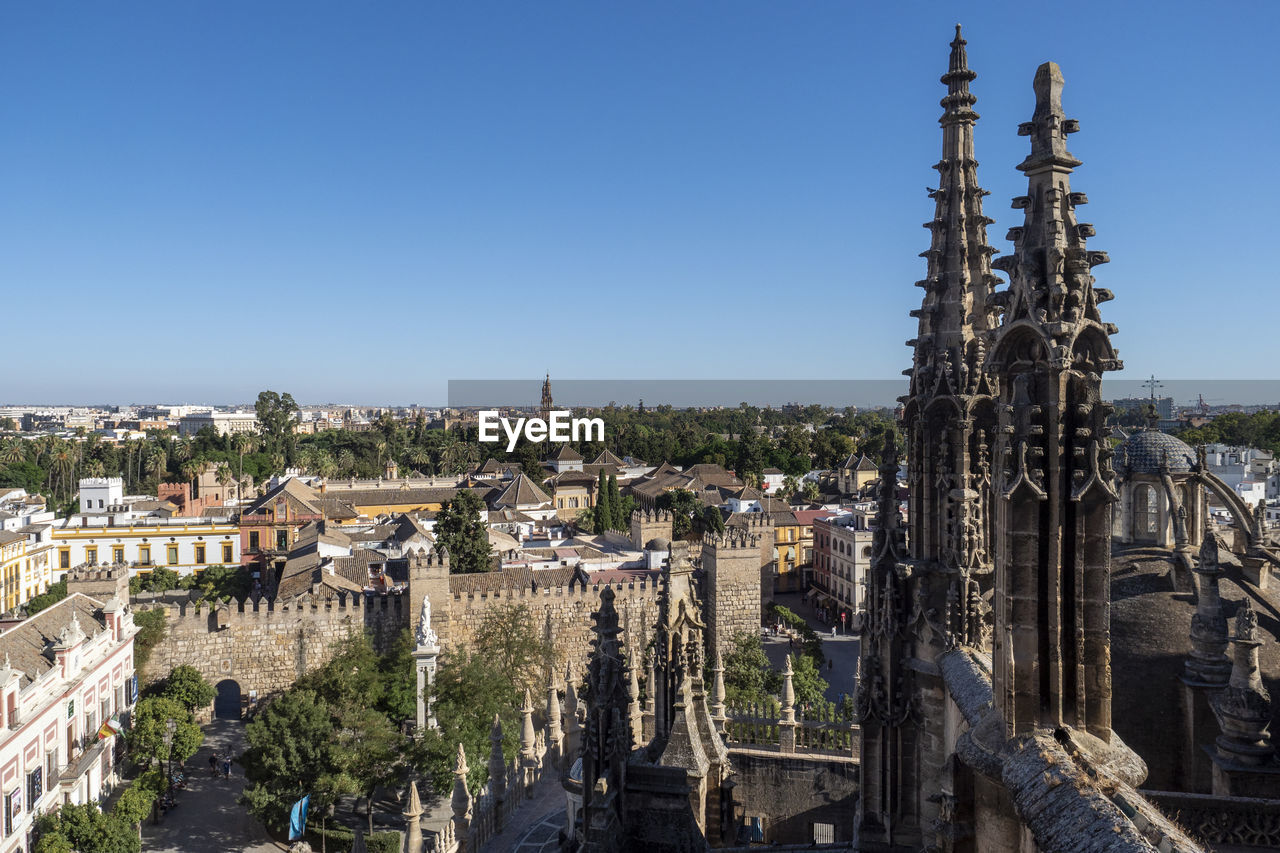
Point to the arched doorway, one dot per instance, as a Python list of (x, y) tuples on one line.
[(227, 704)]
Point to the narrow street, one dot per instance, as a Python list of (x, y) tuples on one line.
[(207, 818)]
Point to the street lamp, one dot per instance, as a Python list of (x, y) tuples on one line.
[(170, 725)]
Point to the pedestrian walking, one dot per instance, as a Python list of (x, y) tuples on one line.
[(226, 768), (213, 764)]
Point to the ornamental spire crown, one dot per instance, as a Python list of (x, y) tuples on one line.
[(955, 312)]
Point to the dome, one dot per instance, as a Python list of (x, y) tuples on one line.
[(1145, 451), (658, 543)]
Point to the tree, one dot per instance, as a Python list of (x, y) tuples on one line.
[(291, 753), (84, 828), (683, 504), (616, 519), (186, 686), (473, 685), (709, 521), (150, 731), (810, 687), (604, 518), (400, 680), (810, 492), (276, 413), (369, 751), (351, 678), (460, 530), (151, 629), (222, 582), (48, 598), (748, 677)]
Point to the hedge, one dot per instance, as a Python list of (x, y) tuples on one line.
[(338, 839)]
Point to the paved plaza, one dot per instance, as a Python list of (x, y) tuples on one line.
[(207, 817)]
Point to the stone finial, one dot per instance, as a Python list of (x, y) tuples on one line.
[(1208, 664), (1246, 624), (572, 721), (788, 693), (413, 803), (497, 761), (555, 735), (461, 800), (1244, 707), (634, 714), (718, 712), (527, 734)]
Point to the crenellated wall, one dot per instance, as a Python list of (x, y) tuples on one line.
[(569, 608), (265, 646)]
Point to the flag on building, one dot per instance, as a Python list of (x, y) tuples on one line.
[(298, 818), (110, 726)]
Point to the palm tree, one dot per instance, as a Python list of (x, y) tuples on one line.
[(346, 461), (243, 442), (14, 450), (325, 466), (420, 458), (223, 475), (63, 462), (157, 461), (189, 471)]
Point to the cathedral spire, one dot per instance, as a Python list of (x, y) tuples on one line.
[(1053, 473), (955, 313)]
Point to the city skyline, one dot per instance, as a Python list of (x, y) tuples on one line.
[(357, 205)]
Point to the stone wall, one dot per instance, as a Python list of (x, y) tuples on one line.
[(265, 647), (792, 792), (569, 609), (732, 584)]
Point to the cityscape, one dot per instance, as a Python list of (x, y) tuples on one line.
[(1019, 599)]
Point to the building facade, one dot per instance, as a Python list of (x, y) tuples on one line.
[(66, 671), (184, 545)]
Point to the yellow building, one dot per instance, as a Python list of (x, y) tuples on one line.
[(26, 564), (184, 545), (394, 499)]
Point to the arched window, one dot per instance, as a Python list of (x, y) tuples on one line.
[(1146, 512)]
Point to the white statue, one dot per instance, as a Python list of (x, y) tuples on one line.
[(426, 636)]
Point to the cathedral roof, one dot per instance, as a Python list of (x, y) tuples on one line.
[(1146, 450)]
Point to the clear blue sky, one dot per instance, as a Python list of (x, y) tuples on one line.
[(360, 201)]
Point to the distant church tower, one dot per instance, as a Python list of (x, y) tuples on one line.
[(546, 397)]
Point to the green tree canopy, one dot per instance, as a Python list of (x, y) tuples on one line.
[(460, 530), (186, 686), (292, 752), (149, 738), (84, 828), (276, 413), (471, 686)]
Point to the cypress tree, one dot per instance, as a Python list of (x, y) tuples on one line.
[(604, 505), (615, 504)]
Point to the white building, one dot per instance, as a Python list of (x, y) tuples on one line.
[(182, 544), (65, 671), (223, 423), (98, 494), (771, 480)]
